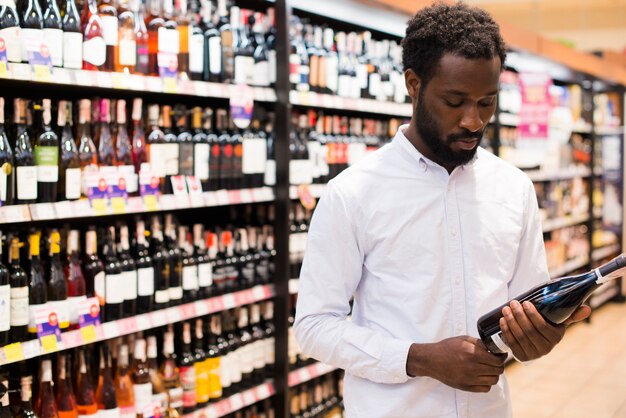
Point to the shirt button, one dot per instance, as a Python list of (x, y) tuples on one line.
[(459, 328), (453, 231), (457, 280)]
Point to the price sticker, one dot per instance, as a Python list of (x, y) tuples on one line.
[(170, 85), (150, 202), (72, 339), (263, 392), (143, 322), (118, 205), (42, 73), (117, 81), (42, 211), (234, 197), (81, 208), (188, 310), (248, 397), (174, 315), (89, 334), (109, 330), (99, 206), (201, 308), (236, 402), (246, 196), (210, 199), (229, 301), (259, 293), (4, 70), (304, 374), (222, 197), (13, 352), (49, 343)]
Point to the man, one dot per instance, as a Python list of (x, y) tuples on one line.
[(427, 234)]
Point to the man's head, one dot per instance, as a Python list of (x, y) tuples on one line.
[(452, 57)]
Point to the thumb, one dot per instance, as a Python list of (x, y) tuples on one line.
[(580, 314)]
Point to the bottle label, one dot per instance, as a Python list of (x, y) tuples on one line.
[(171, 159), (94, 51), (272, 66), (5, 307), (188, 382), (159, 400), (186, 163), (109, 413), (214, 371), (145, 281), (235, 367), (114, 288), (215, 55), (129, 280), (176, 397), (205, 274), (225, 374), (74, 303), (26, 182), (254, 156), (201, 161), (11, 38), (143, 396), (31, 40), (499, 342), (62, 309), (374, 87), (362, 75), (175, 293), (128, 52), (261, 74), (142, 59), (72, 183), (162, 296), (258, 354), (246, 356), (99, 286), (157, 159), (3, 185), (19, 306), (270, 173), (73, 50), (168, 41), (269, 350), (32, 316), (243, 65), (190, 278), (126, 412), (294, 66), (109, 29), (54, 38), (47, 160), (332, 73), (196, 53)]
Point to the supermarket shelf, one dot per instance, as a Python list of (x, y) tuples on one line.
[(570, 266), (135, 83), (558, 223), (133, 205), (564, 174), (603, 295), (304, 374), (604, 252), (609, 130), (327, 101), (235, 402), (316, 190), (91, 334)]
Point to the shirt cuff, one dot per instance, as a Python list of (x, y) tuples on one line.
[(394, 358)]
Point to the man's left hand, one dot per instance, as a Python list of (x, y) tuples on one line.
[(528, 334)]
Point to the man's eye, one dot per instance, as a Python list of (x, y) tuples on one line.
[(487, 103), (453, 104)]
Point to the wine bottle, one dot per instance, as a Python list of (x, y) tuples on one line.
[(124, 152), (141, 38), (246, 356), (170, 147), (31, 34), (157, 147), (26, 395), (124, 384), (129, 273), (142, 385), (72, 36), (25, 168), (10, 31), (187, 371), (5, 301), (46, 406), (106, 149), (37, 287), (226, 34), (69, 183), (108, 14), (5, 408), (234, 365), (85, 395), (201, 364), (185, 143), (160, 261), (169, 374), (212, 49), (257, 351), (175, 260), (114, 281), (214, 355), (555, 300), (190, 267), (19, 294), (261, 72), (94, 45), (57, 286), (169, 37), (196, 47), (105, 393), (145, 270), (76, 287), (126, 57), (154, 22), (139, 146), (270, 332), (66, 402), (47, 157), (201, 148), (205, 267), (94, 270), (184, 31), (6, 162), (53, 32), (87, 151), (159, 394)]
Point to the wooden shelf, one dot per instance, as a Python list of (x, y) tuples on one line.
[(77, 209), (133, 83), (30, 349), (327, 101)]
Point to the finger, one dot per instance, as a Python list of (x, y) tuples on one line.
[(490, 371), (484, 356), (478, 389), (580, 314), (535, 342), (551, 333), (510, 339)]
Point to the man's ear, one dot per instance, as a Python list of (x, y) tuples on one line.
[(413, 83)]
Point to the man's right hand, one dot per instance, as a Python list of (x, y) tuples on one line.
[(459, 362)]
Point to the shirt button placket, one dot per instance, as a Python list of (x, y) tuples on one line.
[(458, 291)]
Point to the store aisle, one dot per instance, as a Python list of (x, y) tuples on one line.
[(584, 377)]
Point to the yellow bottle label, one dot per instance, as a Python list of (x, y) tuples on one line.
[(202, 382), (215, 384)]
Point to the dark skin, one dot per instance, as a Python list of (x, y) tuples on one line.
[(459, 101)]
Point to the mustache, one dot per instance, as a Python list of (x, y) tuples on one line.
[(466, 136)]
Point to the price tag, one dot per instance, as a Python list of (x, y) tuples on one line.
[(174, 315), (109, 330), (223, 407), (136, 82), (150, 202), (134, 204), (72, 339), (99, 207), (201, 308), (42, 73), (167, 202), (81, 208), (127, 326), (62, 76), (49, 344), (263, 392), (170, 85), (4, 70), (236, 402), (85, 78), (234, 197), (246, 196), (117, 81), (21, 72), (210, 199), (195, 191), (153, 84), (293, 379), (179, 185), (89, 334), (216, 304), (259, 292), (88, 312), (31, 349), (258, 194), (143, 322), (157, 318), (104, 80), (42, 211), (211, 412), (118, 205), (222, 197), (13, 352), (65, 208), (188, 311), (12, 214), (241, 105), (249, 398), (229, 301)]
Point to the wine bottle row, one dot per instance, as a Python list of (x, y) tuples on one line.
[(322, 145), (102, 156), (162, 373), (161, 263), (190, 40), (319, 398), (351, 65)]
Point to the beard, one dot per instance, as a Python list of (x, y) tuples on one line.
[(430, 131)]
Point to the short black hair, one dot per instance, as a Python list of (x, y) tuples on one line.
[(442, 28)]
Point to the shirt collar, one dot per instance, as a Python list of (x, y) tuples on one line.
[(422, 160)]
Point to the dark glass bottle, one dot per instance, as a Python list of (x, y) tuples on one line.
[(53, 31), (105, 393), (32, 27), (106, 148), (203, 263), (246, 356), (114, 280), (196, 46), (139, 146), (69, 163), (201, 364), (161, 263), (129, 273), (10, 31), (201, 149), (258, 345), (24, 159), (187, 371), (37, 287), (57, 286), (555, 300), (7, 185), (190, 267), (19, 294), (145, 271), (5, 301), (26, 407), (72, 36), (185, 143), (212, 50), (234, 344), (47, 157), (214, 351), (93, 269), (76, 286), (46, 406), (66, 401), (226, 34), (86, 403), (176, 262)]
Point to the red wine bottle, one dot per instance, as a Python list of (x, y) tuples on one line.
[(555, 300)]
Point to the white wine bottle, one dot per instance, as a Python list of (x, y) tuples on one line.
[(555, 300)]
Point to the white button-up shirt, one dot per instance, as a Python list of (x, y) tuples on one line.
[(425, 254)]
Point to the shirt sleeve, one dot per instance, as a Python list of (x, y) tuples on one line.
[(531, 266), (331, 273)]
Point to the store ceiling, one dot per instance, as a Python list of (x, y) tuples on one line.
[(588, 25)]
